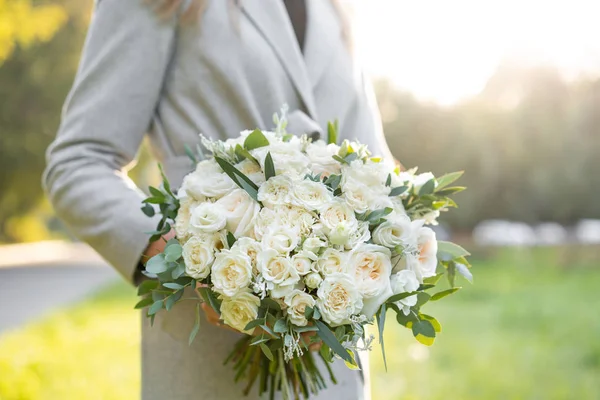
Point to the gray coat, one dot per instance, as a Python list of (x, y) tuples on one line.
[(228, 72)]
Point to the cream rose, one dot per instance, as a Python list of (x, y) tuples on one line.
[(338, 299), (337, 213), (296, 217), (321, 158), (311, 195), (314, 244), (421, 253), (405, 281), (241, 212), (276, 191), (207, 218), (313, 280), (281, 238), (296, 302), (303, 261), (287, 157), (250, 247), (393, 232), (182, 220), (357, 195), (252, 170), (198, 256), (332, 261), (372, 269), (237, 311), (360, 235), (208, 180), (231, 272), (278, 272)]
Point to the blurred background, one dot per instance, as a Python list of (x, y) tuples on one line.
[(507, 90)]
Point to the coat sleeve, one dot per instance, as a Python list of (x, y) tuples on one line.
[(104, 120)]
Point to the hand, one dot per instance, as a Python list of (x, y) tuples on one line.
[(157, 246)]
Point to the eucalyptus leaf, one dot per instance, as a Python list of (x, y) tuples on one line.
[(329, 338), (434, 322), (266, 351), (253, 324), (427, 188), (148, 210), (196, 327), (444, 293), (230, 239), (145, 302), (448, 251), (448, 179), (147, 286), (400, 296), (255, 140), (464, 271), (173, 252), (157, 264), (424, 332), (280, 326), (433, 280), (190, 154), (173, 285), (155, 307), (243, 153), (269, 167), (381, 325), (397, 191)]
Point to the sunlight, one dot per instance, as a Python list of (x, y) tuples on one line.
[(444, 51)]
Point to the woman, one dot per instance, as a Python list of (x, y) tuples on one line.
[(228, 70)]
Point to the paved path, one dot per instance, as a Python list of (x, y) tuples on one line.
[(30, 291)]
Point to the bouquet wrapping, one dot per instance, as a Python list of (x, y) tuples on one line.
[(300, 244)]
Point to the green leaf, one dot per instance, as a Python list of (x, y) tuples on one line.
[(155, 307), (434, 322), (350, 157), (388, 181), (397, 191), (308, 312), (329, 338), (172, 299), (173, 252), (230, 239), (148, 210), (173, 285), (209, 298), (448, 251), (268, 329), (255, 140), (301, 329), (270, 303), (266, 351), (333, 181), (444, 293), (422, 298), (190, 154), (316, 313), (425, 287), (447, 179), (243, 153), (332, 132), (378, 214), (166, 185), (178, 271), (259, 339), (147, 286), (424, 332), (400, 296), (433, 280), (157, 264), (427, 188), (451, 190), (145, 302), (405, 320), (239, 178), (196, 327), (339, 159), (253, 324), (380, 325), (451, 268), (352, 365), (269, 167), (280, 326)]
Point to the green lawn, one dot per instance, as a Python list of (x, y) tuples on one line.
[(529, 328)]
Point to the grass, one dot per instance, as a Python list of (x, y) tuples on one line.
[(527, 329)]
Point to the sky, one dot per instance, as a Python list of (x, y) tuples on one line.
[(445, 50)]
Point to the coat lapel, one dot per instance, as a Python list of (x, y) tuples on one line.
[(271, 20)]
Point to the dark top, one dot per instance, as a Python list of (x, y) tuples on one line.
[(297, 11)]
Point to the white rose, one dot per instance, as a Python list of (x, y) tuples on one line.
[(198, 256), (278, 272), (249, 247), (296, 302), (321, 158), (266, 218), (360, 235), (341, 233), (207, 218), (394, 231), (238, 310), (420, 180), (421, 256), (357, 195), (313, 280), (182, 220), (338, 299), (405, 281), (373, 175), (372, 269), (208, 180), (276, 191), (303, 261), (281, 238), (240, 211), (335, 213), (314, 244), (296, 217), (287, 157), (252, 170), (231, 272), (332, 261), (311, 195), (431, 217)]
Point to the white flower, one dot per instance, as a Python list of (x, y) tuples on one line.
[(281, 238), (335, 214), (287, 157), (357, 195), (332, 261), (311, 195), (373, 175), (198, 256), (182, 220), (420, 180), (238, 310), (321, 158), (207, 218), (360, 235), (313, 280), (296, 302), (394, 231), (277, 271), (303, 261), (405, 281), (208, 180), (314, 244), (252, 170), (240, 211), (338, 299), (421, 258), (296, 217), (372, 268), (231, 272), (250, 247), (276, 191)]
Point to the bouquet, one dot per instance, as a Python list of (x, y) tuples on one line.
[(301, 243)]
